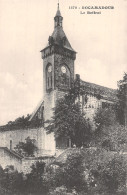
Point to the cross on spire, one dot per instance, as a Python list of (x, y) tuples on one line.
[(58, 18), (58, 4)]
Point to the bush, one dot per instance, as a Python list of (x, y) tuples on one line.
[(90, 171), (26, 148), (35, 182), (11, 182)]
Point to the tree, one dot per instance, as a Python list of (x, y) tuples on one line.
[(69, 121), (27, 148), (91, 171), (70, 174), (109, 134), (2, 188), (106, 171), (35, 183), (11, 182), (110, 175), (116, 138), (113, 175), (104, 117), (73, 172), (122, 100), (23, 123)]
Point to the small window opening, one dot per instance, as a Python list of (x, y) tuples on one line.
[(48, 81), (51, 81), (10, 144)]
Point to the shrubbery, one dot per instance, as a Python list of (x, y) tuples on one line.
[(27, 148), (92, 172), (86, 171)]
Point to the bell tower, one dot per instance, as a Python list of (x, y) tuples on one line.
[(58, 66)]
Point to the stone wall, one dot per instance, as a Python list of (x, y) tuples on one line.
[(92, 105), (28, 162), (44, 141), (59, 61), (9, 158), (46, 62)]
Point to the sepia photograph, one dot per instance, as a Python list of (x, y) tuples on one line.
[(63, 97)]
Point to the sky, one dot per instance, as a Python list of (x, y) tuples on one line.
[(100, 41)]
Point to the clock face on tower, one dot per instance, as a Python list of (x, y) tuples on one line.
[(50, 68), (63, 69), (64, 77)]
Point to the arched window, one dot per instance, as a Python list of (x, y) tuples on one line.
[(49, 76)]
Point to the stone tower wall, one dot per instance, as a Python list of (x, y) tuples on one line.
[(63, 60)]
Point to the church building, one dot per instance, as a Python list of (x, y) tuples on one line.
[(58, 75)]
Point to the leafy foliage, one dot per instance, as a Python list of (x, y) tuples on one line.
[(122, 99), (22, 123), (116, 137), (109, 134), (35, 183), (86, 172), (11, 182), (62, 190), (106, 172), (69, 121), (73, 172), (59, 191), (104, 118), (26, 148), (70, 174), (91, 171)]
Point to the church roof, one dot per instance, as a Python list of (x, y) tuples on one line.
[(106, 93)]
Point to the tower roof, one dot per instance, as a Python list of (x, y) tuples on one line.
[(58, 35)]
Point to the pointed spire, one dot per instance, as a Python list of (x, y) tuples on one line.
[(58, 18), (58, 4), (58, 10)]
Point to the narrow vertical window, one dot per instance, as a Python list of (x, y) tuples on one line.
[(10, 144), (51, 81), (48, 81), (49, 76)]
